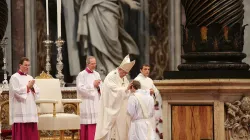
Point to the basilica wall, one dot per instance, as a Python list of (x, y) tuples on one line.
[(204, 108), (26, 34), (155, 52)]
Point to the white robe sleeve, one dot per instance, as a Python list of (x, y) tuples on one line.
[(17, 91), (117, 89), (152, 108), (156, 91), (132, 104), (37, 91), (84, 89)]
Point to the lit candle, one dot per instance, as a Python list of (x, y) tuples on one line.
[(59, 18), (47, 16)]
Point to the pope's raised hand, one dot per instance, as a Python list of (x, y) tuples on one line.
[(130, 85)]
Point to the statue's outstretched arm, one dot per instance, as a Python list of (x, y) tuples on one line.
[(132, 4)]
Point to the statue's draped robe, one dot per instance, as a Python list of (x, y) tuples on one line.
[(70, 11), (101, 34)]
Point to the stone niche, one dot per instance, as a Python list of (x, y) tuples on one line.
[(205, 109)]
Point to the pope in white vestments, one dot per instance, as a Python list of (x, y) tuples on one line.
[(88, 90), (113, 121), (141, 109), (23, 111), (148, 84)]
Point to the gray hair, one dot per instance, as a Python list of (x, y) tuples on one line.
[(88, 59)]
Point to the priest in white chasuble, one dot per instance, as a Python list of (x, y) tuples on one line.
[(88, 90), (113, 121), (141, 109), (148, 84), (23, 111)]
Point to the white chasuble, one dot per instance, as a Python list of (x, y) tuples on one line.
[(113, 120)]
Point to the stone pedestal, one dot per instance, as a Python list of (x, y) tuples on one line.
[(200, 92)]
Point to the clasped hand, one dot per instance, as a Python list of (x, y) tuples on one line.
[(97, 83), (31, 84)]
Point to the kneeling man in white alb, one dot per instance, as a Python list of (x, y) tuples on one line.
[(141, 109)]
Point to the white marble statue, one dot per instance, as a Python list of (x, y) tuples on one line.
[(99, 31)]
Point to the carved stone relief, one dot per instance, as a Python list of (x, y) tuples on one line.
[(238, 119)]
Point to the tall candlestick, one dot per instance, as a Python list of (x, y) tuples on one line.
[(59, 65), (3, 46), (48, 43), (47, 16), (59, 10)]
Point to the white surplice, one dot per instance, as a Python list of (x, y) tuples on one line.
[(141, 109), (21, 100), (147, 83), (113, 120), (89, 96)]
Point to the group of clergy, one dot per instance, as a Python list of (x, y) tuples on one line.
[(113, 109)]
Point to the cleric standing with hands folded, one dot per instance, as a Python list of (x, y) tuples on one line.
[(88, 90), (22, 95)]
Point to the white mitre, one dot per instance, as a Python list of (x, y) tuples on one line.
[(126, 65)]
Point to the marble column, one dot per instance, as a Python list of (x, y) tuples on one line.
[(30, 35), (17, 31), (174, 34)]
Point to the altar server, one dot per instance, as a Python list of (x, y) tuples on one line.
[(23, 111), (88, 89)]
